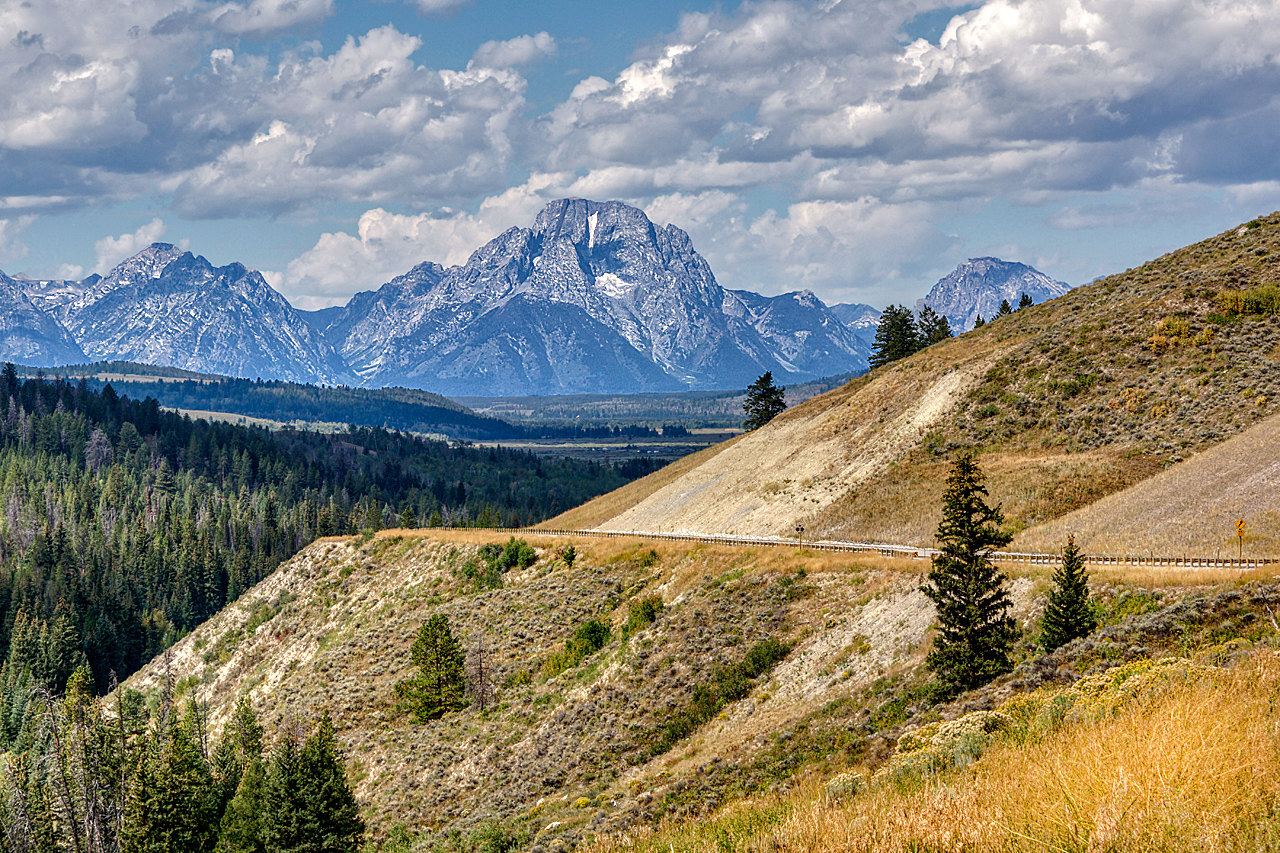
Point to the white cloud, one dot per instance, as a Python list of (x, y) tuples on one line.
[(517, 51), (436, 7), (364, 124), (387, 244), (110, 251), (11, 246), (261, 18), (863, 250)]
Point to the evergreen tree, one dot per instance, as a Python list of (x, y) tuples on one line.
[(172, 806), (307, 806), (765, 401), (979, 322), (1069, 613), (976, 632), (332, 819), (242, 830), (1004, 308), (281, 816), (896, 336), (1024, 302), (439, 686), (933, 327)]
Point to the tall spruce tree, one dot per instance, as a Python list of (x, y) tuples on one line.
[(1004, 309), (932, 327), (896, 336), (1024, 302), (1069, 613), (333, 823), (765, 401), (440, 683), (307, 806), (172, 807), (976, 633)]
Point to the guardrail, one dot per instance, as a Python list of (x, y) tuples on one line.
[(890, 550)]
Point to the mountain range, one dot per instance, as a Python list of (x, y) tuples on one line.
[(592, 298)]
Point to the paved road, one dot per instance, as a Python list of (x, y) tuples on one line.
[(891, 550)]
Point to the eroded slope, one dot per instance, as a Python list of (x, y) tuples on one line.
[(581, 751), (1065, 402)]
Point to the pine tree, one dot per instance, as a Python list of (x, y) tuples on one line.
[(933, 327), (765, 401), (332, 819), (439, 686), (281, 816), (1004, 309), (976, 632), (1024, 302), (173, 801), (241, 830), (979, 322), (1069, 613), (307, 806), (896, 336)]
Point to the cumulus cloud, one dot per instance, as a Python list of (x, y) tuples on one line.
[(844, 251), (436, 7), (1096, 88), (517, 51), (364, 124), (387, 244), (116, 99), (110, 251), (11, 246), (262, 18)]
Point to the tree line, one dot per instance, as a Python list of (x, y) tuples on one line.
[(405, 409), (92, 776), (123, 526)]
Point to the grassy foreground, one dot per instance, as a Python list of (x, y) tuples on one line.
[(1176, 755)]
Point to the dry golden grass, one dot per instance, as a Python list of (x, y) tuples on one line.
[(599, 510), (1193, 769), (1187, 508)]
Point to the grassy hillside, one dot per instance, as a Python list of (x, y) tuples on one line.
[(618, 740), (1173, 756), (1066, 402)]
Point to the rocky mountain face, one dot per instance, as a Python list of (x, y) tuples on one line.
[(592, 298), (167, 307), (977, 286), (860, 319), (29, 335)]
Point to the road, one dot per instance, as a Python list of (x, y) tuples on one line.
[(912, 552)]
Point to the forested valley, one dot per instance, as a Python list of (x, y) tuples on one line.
[(123, 526)]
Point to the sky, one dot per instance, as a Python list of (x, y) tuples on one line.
[(857, 148)]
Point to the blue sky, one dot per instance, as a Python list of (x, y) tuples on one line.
[(858, 149)]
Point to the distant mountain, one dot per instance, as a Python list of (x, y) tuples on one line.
[(977, 286), (167, 307), (860, 319), (593, 298), (29, 335)]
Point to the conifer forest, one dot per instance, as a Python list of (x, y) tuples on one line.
[(123, 526)]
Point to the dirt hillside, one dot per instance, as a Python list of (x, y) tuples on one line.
[(1189, 508), (1064, 403), (558, 754)]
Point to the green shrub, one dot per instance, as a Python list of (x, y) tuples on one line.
[(642, 613), (591, 636), (728, 684)]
